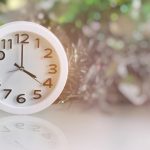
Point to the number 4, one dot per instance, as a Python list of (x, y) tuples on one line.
[(48, 83)]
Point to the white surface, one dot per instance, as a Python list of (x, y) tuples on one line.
[(123, 128), (29, 133)]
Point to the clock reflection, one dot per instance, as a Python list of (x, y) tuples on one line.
[(30, 133)]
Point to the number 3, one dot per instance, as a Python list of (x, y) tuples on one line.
[(53, 69)]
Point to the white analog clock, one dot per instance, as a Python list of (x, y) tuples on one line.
[(33, 67)]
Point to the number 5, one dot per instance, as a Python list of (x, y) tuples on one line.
[(37, 94)]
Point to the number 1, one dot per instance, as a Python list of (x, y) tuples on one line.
[(38, 43)]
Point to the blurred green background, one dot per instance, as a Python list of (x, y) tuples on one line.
[(84, 11)]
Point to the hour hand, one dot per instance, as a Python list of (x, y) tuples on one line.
[(16, 65)]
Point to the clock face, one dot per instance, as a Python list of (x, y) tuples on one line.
[(33, 67), (28, 133)]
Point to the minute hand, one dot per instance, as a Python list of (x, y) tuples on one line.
[(29, 73)]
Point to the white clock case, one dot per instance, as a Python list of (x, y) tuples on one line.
[(24, 26)]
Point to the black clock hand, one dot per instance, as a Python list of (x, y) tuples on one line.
[(13, 70), (31, 75), (37, 81), (21, 68), (27, 72), (16, 65), (22, 56)]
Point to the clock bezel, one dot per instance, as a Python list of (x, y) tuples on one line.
[(24, 26)]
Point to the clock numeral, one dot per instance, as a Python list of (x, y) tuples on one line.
[(35, 128), (20, 125), (24, 37), (4, 129), (17, 37), (48, 83), (8, 92), (20, 99), (38, 42), (10, 43), (2, 55), (53, 69), (4, 42), (47, 136), (49, 53), (37, 94)]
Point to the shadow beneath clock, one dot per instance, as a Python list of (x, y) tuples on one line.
[(30, 133)]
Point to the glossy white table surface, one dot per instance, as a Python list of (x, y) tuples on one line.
[(123, 128)]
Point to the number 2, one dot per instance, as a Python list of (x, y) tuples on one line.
[(49, 54)]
